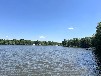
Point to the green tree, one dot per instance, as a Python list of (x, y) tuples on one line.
[(2, 42), (98, 38), (64, 43), (37, 42)]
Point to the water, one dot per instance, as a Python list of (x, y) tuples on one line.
[(46, 61)]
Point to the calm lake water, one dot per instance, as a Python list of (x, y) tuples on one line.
[(46, 61)]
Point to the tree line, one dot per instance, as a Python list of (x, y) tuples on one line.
[(79, 42), (27, 42)]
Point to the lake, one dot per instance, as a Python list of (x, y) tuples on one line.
[(23, 60)]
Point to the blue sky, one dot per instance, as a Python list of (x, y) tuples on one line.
[(53, 20)]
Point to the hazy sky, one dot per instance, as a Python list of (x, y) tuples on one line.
[(48, 19)]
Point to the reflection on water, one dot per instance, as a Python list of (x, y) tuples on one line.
[(46, 61)]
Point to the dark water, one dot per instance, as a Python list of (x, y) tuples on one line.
[(46, 61)]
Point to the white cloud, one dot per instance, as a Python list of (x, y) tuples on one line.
[(42, 37), (6, 36), (71, 28)]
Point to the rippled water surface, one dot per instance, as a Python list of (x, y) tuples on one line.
[(46, 61)]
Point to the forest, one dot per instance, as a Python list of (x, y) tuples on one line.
[(79, 42), (27, 42)]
